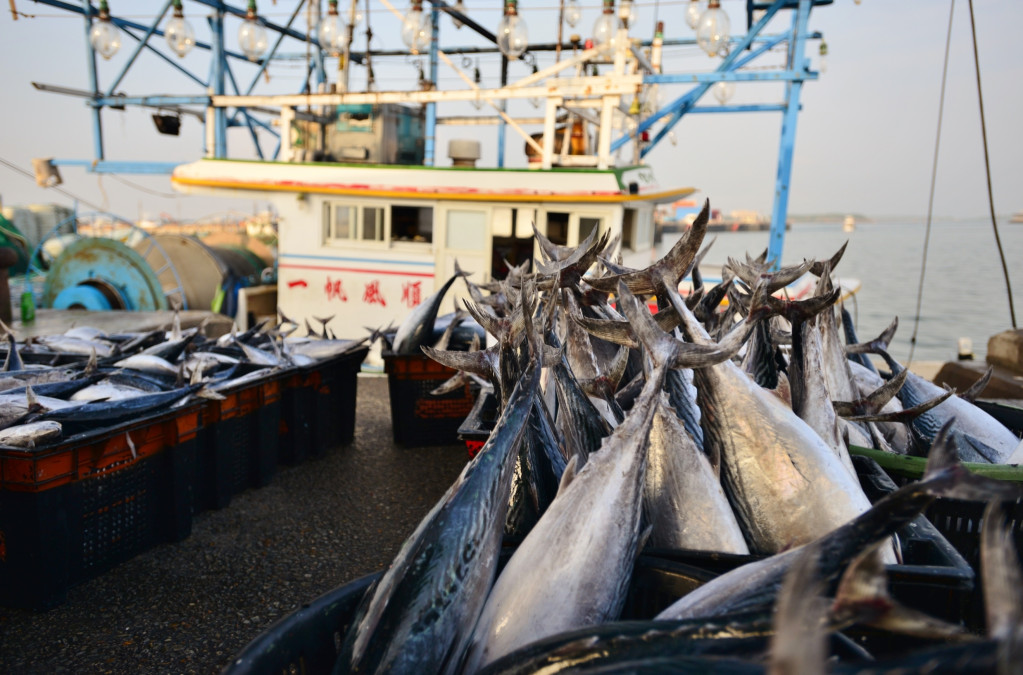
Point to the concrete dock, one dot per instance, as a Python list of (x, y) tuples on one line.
[(189, 607)]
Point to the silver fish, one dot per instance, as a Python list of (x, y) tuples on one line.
[(148, 363), (787, 484), (683, 499), (421, 612), (30, 435)]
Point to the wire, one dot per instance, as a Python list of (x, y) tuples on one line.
[(987, 169), (14, 167), (155, 193), (930, 199)]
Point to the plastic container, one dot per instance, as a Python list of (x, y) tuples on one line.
[(240, 440), (318, 406), (74, 509), (308, 640), (417, 417)]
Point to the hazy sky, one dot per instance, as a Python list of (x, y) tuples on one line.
[(865, 141)]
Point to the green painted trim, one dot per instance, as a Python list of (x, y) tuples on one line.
[(913, 467)]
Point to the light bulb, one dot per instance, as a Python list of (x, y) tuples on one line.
[(714, 29), (104, 36), (460, 8), (331, 33), (695, 9), (723, 91), (572, 13), (180, 36), (605, 30), (415, 32), (512, 36), (625, 12), (252, 37)]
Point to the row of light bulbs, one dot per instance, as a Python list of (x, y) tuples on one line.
[(705, 16)]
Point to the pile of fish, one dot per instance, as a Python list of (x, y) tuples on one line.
[(56, 386), (697, 426)]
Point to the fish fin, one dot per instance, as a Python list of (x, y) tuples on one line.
[(308, 330), (799, 643), (131, 445), (822, 267), (945, 476), (459, 272), (862, 597), (209, 394), (31, 400), (456, 381), (659, 346), (473, 362), (878, 344), (569, 473), (905, 415), (976, 389), (196, 377), (999, 567), (873, 402)]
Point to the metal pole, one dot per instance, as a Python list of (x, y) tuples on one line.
[(139, 47), (217, 81), (429, 149), (97, 122), (502, 127), (797, 63)]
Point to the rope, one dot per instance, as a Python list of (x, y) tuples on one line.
[(987, 169), (930, 199)]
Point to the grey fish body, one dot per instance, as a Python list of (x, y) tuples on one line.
[(106, 391), (148, 363), (72, 345), (788, 486), (30, 435), (417, 328), (683, 499), (417, 618), (811, 399), (982, 438), (573, 568)]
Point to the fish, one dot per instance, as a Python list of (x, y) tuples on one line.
[(148, 363), (417, 328), (683, 499), (787, 485), (756, 585), (418, 616), (982, 438), (573, 567), (31, 435), (95, 415)]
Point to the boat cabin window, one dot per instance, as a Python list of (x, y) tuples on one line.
[(629, 229), (587, 225), (344, 222), (412, 223), (557, 227)]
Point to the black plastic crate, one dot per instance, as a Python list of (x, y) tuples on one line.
[(309, 639), (239, 442), (318, 406), (73, 510), (419, 418)]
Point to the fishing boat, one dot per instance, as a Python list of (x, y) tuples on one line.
[(1016, 217), (849, 224), (369, 221)]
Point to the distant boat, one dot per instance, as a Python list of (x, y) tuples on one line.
[(849, 224), (1017, 217)]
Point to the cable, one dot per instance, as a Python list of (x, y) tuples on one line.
[(987, 169), (930, 199), (164, 195), (15, 167)]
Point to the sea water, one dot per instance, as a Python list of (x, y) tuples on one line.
[(964, 291)]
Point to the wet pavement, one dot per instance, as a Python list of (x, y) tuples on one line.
[(190, 606)]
